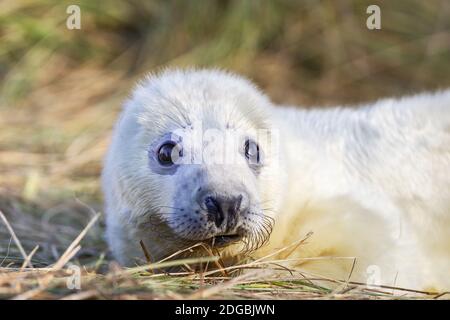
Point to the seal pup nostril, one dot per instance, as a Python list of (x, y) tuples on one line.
[(234, 206), (219, 208), (214, 210)]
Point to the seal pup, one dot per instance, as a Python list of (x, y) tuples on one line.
[(204, 156)]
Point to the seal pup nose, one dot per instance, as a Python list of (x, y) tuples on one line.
[(219, 208)]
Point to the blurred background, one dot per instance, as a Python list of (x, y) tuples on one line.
[(61, 90)]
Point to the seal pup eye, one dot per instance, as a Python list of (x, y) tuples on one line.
[(167, 151), (252, 152)]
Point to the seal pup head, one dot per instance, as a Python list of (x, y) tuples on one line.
[(192, 161)]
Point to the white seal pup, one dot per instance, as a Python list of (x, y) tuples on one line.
[(204, 156)]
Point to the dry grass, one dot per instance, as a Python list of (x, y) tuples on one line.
[(61, 90), (37, 263)]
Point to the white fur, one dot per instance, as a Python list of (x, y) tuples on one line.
[(371, 183)]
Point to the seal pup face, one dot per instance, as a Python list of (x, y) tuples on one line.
[(196, 160)]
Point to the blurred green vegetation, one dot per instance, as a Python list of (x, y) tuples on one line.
[(303, 44), (60, 89)]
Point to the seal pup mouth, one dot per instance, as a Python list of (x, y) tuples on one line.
[(223, 240)]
